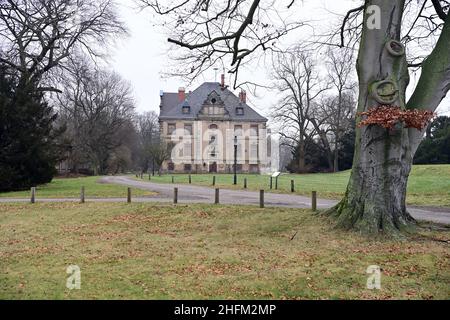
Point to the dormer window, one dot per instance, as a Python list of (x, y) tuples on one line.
[(186, 109), (239, 111)]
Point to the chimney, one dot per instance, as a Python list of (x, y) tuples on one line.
[(181, 94), (243, 96), (222, 80)]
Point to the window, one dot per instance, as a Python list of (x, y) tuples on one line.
[(186, 109), (213, 100), (170, 166), (171, 128), (187, 152), (187, 168), (239, 111), (253, 152), (188, 128), (253, 130), (213, 152), (238, 130), (213, 127)]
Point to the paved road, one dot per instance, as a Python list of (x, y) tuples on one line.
[(200, 194)]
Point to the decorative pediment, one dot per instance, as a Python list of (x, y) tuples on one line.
[(213, 107), (213, 99)]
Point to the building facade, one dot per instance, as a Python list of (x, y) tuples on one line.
[(211, 129)]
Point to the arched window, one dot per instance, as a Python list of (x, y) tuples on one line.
[(213, 126)]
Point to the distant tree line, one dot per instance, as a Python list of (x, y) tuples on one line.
[(435, 148)]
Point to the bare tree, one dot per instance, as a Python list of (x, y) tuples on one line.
[(100, 107), (147, 127), (298, 81), (37, 36), (339, 110), (213, 30), (161, 151), (331, 119)]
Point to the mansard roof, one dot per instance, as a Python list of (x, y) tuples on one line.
[(172, 109)]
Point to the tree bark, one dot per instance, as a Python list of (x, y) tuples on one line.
[(375, 198), (301, 156)]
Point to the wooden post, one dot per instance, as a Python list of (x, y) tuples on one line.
[(82, 195), (172, 180), (149, 176), (175, 195), (276, 183), (270, 183), (33, 194), (216, 198), (190, 179), (128, 195), (292, 186), (314, 201), (214, 181), (245, 183), (261, 198)]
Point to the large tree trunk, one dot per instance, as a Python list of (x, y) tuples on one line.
[(336, 154), (301, 156), (375, 197)]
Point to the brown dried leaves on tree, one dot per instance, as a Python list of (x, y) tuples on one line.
[(388, 116)]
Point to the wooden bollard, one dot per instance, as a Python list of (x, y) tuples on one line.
[(172, 180), (216, 198), (314, 201), (214, 181), (190, 179), (261, 198), (128, 195), (270, 184), (276, 183), (292, 186), (245, 183), (82, 200), (175, 195), (33, 195)]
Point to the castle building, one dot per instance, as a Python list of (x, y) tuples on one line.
[(210, 127)]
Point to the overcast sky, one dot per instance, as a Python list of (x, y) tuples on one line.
[(143, 55)]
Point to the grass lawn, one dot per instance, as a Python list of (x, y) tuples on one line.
[(146, 251), (70, 188), (428, 184)]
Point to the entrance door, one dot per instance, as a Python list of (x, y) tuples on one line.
[(213, 167)]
